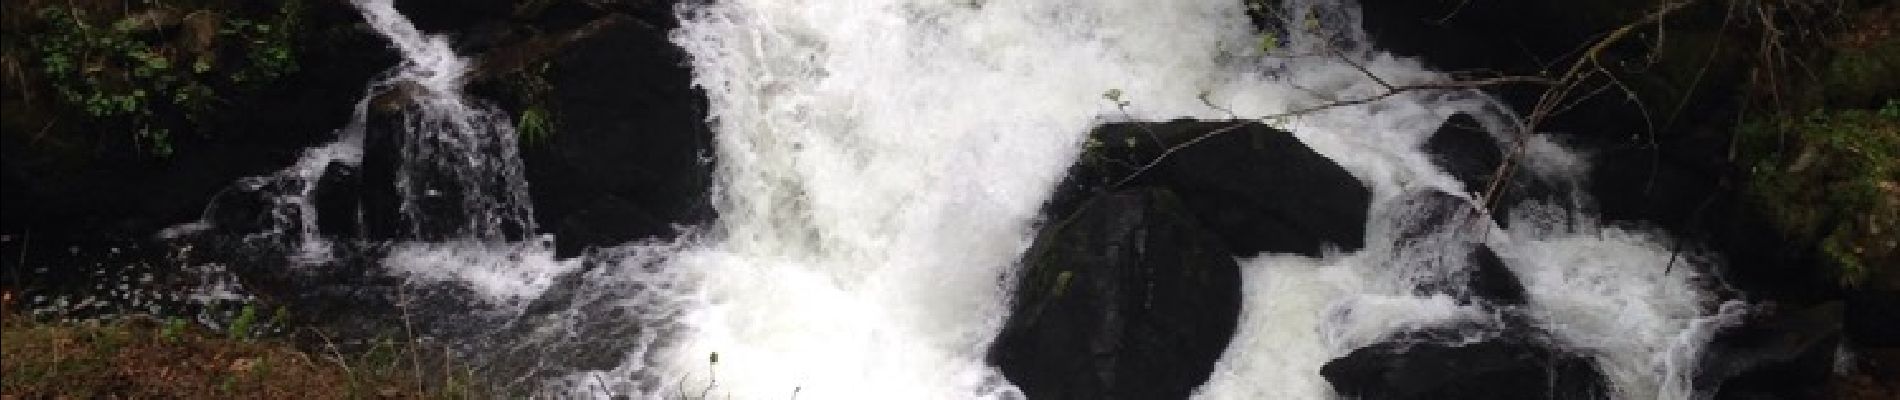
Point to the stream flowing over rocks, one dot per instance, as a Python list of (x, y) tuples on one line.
[(936, 199)]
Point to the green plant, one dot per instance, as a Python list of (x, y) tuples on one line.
[(536, 124), (242, 326), (278, 319), (537, 121), (126, 74), (173, 327), (1833, 177)]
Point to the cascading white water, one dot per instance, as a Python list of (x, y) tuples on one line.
[(460, 175), (459, 158), (881, 164)]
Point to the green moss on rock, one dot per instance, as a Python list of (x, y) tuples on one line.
[(1832, 176)]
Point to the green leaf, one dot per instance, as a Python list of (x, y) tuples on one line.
[(241, 328), (1269, 42)]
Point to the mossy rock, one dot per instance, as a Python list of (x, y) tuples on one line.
[(1833, 177)]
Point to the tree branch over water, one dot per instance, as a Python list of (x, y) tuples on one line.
[(1562, 93)]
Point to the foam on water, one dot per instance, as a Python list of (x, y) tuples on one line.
[(881, 165), (459, 175), (500, 273)]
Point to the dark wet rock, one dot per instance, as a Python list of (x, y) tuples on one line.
[(1512, 366), (1490, 279), (1660, 157), (1437, 241), (1873, 317), (381, 203), (1259, 189), (1780, 355), (627, 158), (339, 202), (474, 23), (239, 209), (1466, 151), (1128, 299), (452, 16), (1632, 184), (608, 220)]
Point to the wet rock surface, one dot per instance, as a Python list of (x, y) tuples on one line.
[(1436, 241), (1128, 299), (1776, 354), (1515, 365), (1259, 189), (630, 158)]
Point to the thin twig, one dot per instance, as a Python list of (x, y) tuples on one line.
[(1390, 92)]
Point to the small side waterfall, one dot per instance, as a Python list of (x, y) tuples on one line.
[(459, 175)]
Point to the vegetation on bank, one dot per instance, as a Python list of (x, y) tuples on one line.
[(139, 357), (143, 72), (1833, 177), (1800, 95), (1823, 155), (146, 68)]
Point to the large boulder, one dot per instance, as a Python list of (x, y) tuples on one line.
[(1513, 366), (627, 159), (1128, 299), (1258, 188), (1783, 354)]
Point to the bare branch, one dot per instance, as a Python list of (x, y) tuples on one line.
[(1388, 93)]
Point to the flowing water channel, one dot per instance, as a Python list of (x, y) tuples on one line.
[(881, 165)]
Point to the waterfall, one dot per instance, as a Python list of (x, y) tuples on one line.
[(881, 165), (459, 176)]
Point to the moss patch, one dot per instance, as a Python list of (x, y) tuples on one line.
[(1832, 176), (1826, 163), (148, 68)]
